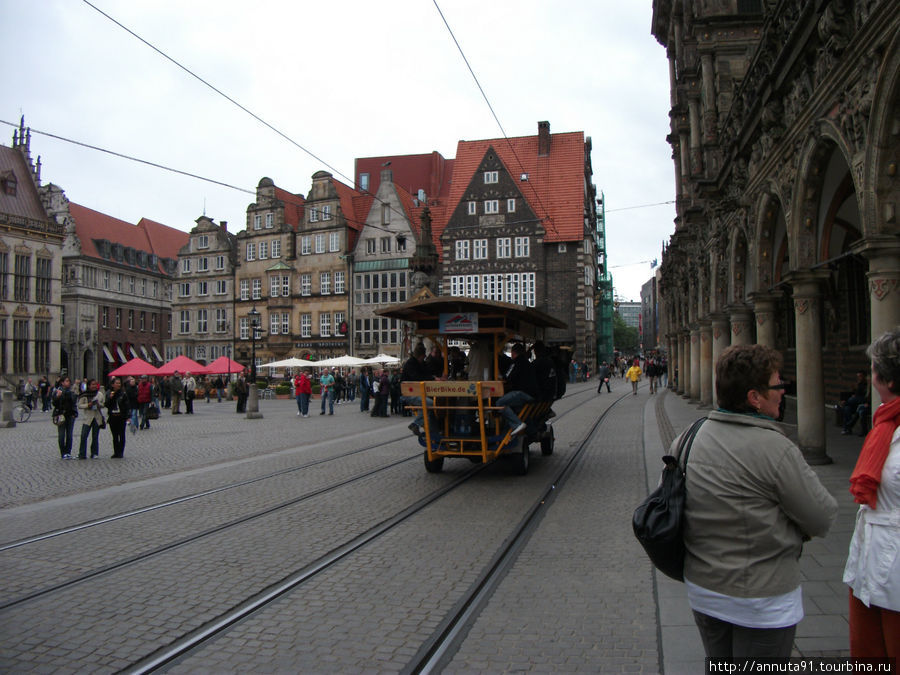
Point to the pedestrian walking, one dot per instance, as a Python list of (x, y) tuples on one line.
[(603, 374), (134, 407), (365, 389), (65, 410), (117, 416), (44, 392), (633, 375), (190, 391), (144, 400), (176, 389), (326, 390), (873, 566), (90, 408), (241, 389), (302, 392)]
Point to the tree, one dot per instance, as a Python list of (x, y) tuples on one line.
[(625, 337)]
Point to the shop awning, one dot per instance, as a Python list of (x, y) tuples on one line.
[(156, 353), (108, 354), (134, 353), (121, 353), (144, 352)]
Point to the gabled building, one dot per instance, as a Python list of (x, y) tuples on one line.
[(335, 215), (382, 274), (116, 287), (519, 226), (266, 277), (31, 313), (203, 306)]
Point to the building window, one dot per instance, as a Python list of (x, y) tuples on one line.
[(274, 323), (462, 249), (42, 346), (184, 289), (221, 320), (22, 279), (130, 319), (155, 288), (305, 325), (104, 317), (510, 205), (185, 266), (220, 262), (385, 244), (560, 248), (305, 245), (221, 287), (326, 212), (334, 242), (313, 214), (20, 345), (203, 241), (203, 264), (203, 288), (153, 323), (305, 284), (143, 287), (43, 281), (185, 324), (473, 208), (118, 318), (339, 286), (480, 249), (257, 222), (324, 324), (142, 322), (286, 285), (263, 250), (244, 328), (256, 293), (522, 247), (245, 289), (339, 318), (274, 286), (131, 285), (363, 181), (104, 281), (490, 177), (503, 247), (251, 251), (119, 279), (202, 326), (491, 206), (325, 283), (385, 214), (270, 221), (320, 243), (276, 248), (370, 246)]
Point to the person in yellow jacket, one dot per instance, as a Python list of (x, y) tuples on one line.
[(634, 376)]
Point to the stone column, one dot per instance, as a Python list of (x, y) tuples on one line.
[(706, 365), (883, 254), (684, 363), (810, 377), (695, 363), (672, 360), (764, 308), (721, 338), (741, 319)]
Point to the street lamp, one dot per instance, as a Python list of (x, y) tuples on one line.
[(254, 326), (253, 398)]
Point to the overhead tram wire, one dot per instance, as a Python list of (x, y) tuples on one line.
[(639, 206), (259, 119), (494, 114), (133, 159)]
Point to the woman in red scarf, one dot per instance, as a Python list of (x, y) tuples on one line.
[(873, 565)]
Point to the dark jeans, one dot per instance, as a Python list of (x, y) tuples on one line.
[(117, 429), (723, 640), (303, 403), (64, 436), (513, 401), (145, 423), (380, 409), (189, 404), (329, 397), (92, 430), (364, 400)]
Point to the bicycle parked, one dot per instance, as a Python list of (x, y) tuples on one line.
[(22, 411)]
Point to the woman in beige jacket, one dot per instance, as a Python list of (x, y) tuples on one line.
[(752, 501), (90, 409)]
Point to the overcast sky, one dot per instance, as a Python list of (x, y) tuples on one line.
[(343, 79)]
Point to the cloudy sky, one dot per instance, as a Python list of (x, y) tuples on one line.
[(338, 80)]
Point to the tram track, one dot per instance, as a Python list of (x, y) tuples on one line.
[(264, 597)]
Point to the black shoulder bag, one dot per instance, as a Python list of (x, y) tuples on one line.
[(658, 521)]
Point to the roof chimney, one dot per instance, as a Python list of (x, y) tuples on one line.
[(543, 139), (224, 225), (387, 176)]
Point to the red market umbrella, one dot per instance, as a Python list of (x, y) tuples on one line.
[(223, 365), (183, 365), (135, 367)]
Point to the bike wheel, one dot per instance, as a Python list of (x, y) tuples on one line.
[(21, 413)]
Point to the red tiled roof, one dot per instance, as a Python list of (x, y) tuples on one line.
[(555, 185), (148, 235), (354, 207), (26, 203), (293, 207), (429, 172)]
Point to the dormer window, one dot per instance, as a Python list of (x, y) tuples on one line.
[(326, 212), (8, 183), (314, 215), (491, 177)]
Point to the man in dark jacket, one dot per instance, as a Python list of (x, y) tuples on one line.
[(415, 370), (521, 388), (603, 374), (544, 372)]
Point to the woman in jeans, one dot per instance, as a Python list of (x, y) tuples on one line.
[(90, 406), (117, 416), (64, 405), (752, 501)]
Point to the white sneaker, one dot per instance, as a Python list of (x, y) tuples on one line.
[(298, 414), (519, 429)]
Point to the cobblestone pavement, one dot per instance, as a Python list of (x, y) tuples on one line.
[(581, 597)]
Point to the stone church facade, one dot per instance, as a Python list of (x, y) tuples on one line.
[(785, 132)]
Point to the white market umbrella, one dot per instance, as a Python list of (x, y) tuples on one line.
[(382, 358), (290, 363), (339, 362)]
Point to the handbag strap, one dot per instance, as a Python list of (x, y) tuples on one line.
[(687, 440)]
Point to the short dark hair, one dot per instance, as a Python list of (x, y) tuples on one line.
[(742, 368), (885, 354), (419, 350)]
